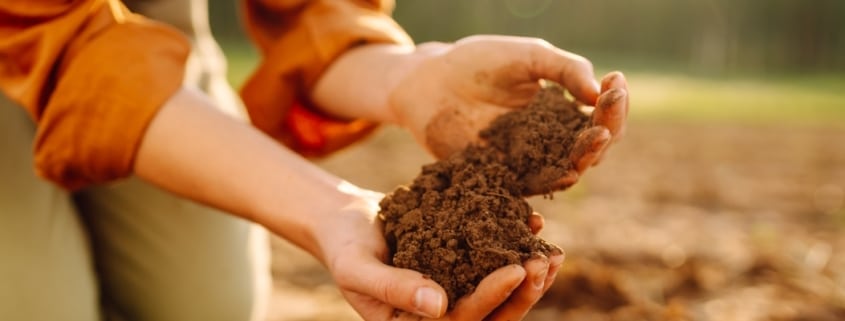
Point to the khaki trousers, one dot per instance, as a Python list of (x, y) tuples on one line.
[(127, 250)]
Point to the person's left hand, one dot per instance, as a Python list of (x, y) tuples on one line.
[(354, 250), (458, 89)]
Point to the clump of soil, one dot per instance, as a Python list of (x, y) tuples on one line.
[(536, 141), (466, 216)]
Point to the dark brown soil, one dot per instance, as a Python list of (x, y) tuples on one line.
[(537, 140), (466, 216)]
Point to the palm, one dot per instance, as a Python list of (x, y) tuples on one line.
[(356, 252), (450, 97)]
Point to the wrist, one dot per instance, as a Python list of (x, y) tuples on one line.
[(359, 83), (318, 220), (195, 151), (348, 212)]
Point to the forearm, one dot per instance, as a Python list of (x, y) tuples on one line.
[(358, 83), (197, 152)]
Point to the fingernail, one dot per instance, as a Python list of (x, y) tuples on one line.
[(557, 252), (609, 79), (540, 279), (428, 302), (557, 260), (613, 96)]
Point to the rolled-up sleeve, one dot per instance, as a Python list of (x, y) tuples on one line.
[(298, 41), (92, 75)]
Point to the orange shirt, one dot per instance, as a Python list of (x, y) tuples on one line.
[(93, 75)]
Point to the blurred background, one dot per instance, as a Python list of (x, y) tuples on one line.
[(725, 201)]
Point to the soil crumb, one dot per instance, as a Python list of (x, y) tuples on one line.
[(466, 216)]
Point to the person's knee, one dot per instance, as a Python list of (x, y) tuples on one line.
[(160, 257), (46, 268), (223, 298)]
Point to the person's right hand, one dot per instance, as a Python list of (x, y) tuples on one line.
[(455, 90), (445, 93), (355, 252)]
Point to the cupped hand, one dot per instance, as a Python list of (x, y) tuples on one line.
[(355, 252), (606, 125), (458, 89)]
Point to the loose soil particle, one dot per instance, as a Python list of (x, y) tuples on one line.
[(466, 216)]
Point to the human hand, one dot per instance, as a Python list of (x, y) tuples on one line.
[(458, 89), (355, 252)]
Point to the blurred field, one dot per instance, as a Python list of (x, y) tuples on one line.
[(726, 201), (796, 100), (681, 222), (671, 95)]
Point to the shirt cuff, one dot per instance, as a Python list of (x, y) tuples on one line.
[(104, 100), (277, 94)]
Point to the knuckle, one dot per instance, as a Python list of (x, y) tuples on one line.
[(584, 64), (505, 296), (344, 280), (576, 66), (526, 299), (538, 48), (381, 289), (540, 43), (395, 292), (472, 38), (385, 290)]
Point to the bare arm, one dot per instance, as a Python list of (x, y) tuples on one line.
[(479, 77), (195, 151)]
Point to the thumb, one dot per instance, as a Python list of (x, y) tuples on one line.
[(404, 289)]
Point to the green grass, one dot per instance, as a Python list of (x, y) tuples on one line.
[(672, 96)]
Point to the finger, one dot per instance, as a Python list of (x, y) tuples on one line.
[(404, 289), (536, 222), (555, 262), (588, 147), (568, 179), (610, 110), (527, 294), (432, 48), (490, 293), (615, 79), (573, 72)]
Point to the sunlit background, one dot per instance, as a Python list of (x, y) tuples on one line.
[(724, 202), (752, 60)]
